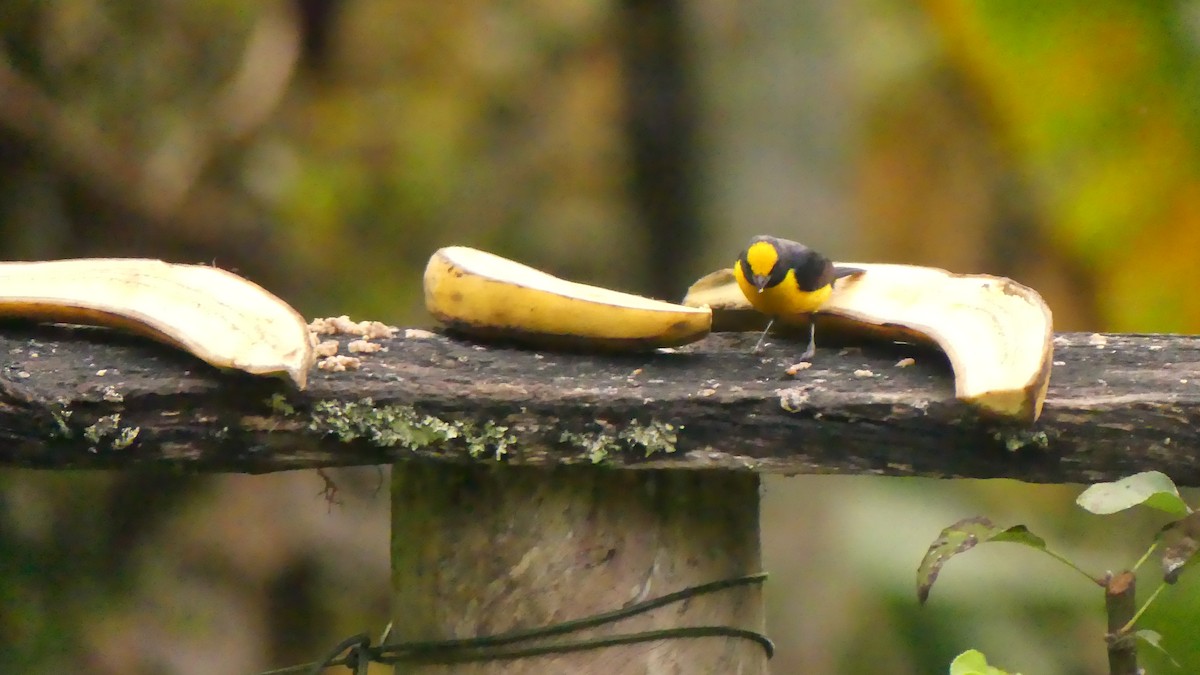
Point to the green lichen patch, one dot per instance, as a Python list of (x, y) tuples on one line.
[(278, 403), (1019, 439), (489, 436), (109, 427), (125, 437), (596, 446), (61, 427), (654, 437), (385, 425), (599, 446), (404, 426)]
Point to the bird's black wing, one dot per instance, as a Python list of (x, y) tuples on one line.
[(813, 270)]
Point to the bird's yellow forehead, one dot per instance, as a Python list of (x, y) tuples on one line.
[(762, 257)]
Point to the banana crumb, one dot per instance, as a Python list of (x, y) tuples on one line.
[(363, 347), (342, 325), (863, 373), (795, 368), (339, 364), (327, 326), (418, 334), (326, 348), (1097, 340), (376, 329), (906, 362)]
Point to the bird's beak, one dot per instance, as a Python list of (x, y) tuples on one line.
[(760, 282)]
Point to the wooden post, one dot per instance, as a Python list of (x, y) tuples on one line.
[(479, 550)]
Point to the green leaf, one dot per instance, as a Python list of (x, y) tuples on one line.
[(1154, 639), (963, 536), (973, 662), (1149, 488), (970, 662), (1019, 534)]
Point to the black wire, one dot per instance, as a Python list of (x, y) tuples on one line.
[(577, 624), (361, 653), (583, 645)]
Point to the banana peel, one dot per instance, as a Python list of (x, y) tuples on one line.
[(487, 296), (998, 334), (218, 316)]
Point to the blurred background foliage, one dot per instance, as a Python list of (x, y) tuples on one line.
[(326, 147)]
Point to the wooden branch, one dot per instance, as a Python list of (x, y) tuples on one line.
[(1121, 607), (1117, 404)]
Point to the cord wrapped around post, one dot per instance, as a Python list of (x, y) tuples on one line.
[(356, 652)]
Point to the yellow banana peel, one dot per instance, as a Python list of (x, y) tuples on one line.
[(487, 296), (218, 316)]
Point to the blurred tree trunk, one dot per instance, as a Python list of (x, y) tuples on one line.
[(661, 126)]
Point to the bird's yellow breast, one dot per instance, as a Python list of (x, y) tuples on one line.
[(784, 298)]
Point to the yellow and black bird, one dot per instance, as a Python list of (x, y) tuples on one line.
[(785, 278)]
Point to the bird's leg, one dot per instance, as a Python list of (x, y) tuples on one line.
[(812, 340), (758, 346)]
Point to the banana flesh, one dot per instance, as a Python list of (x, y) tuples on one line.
[(215, 315), (997, 333), (484, 295)]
